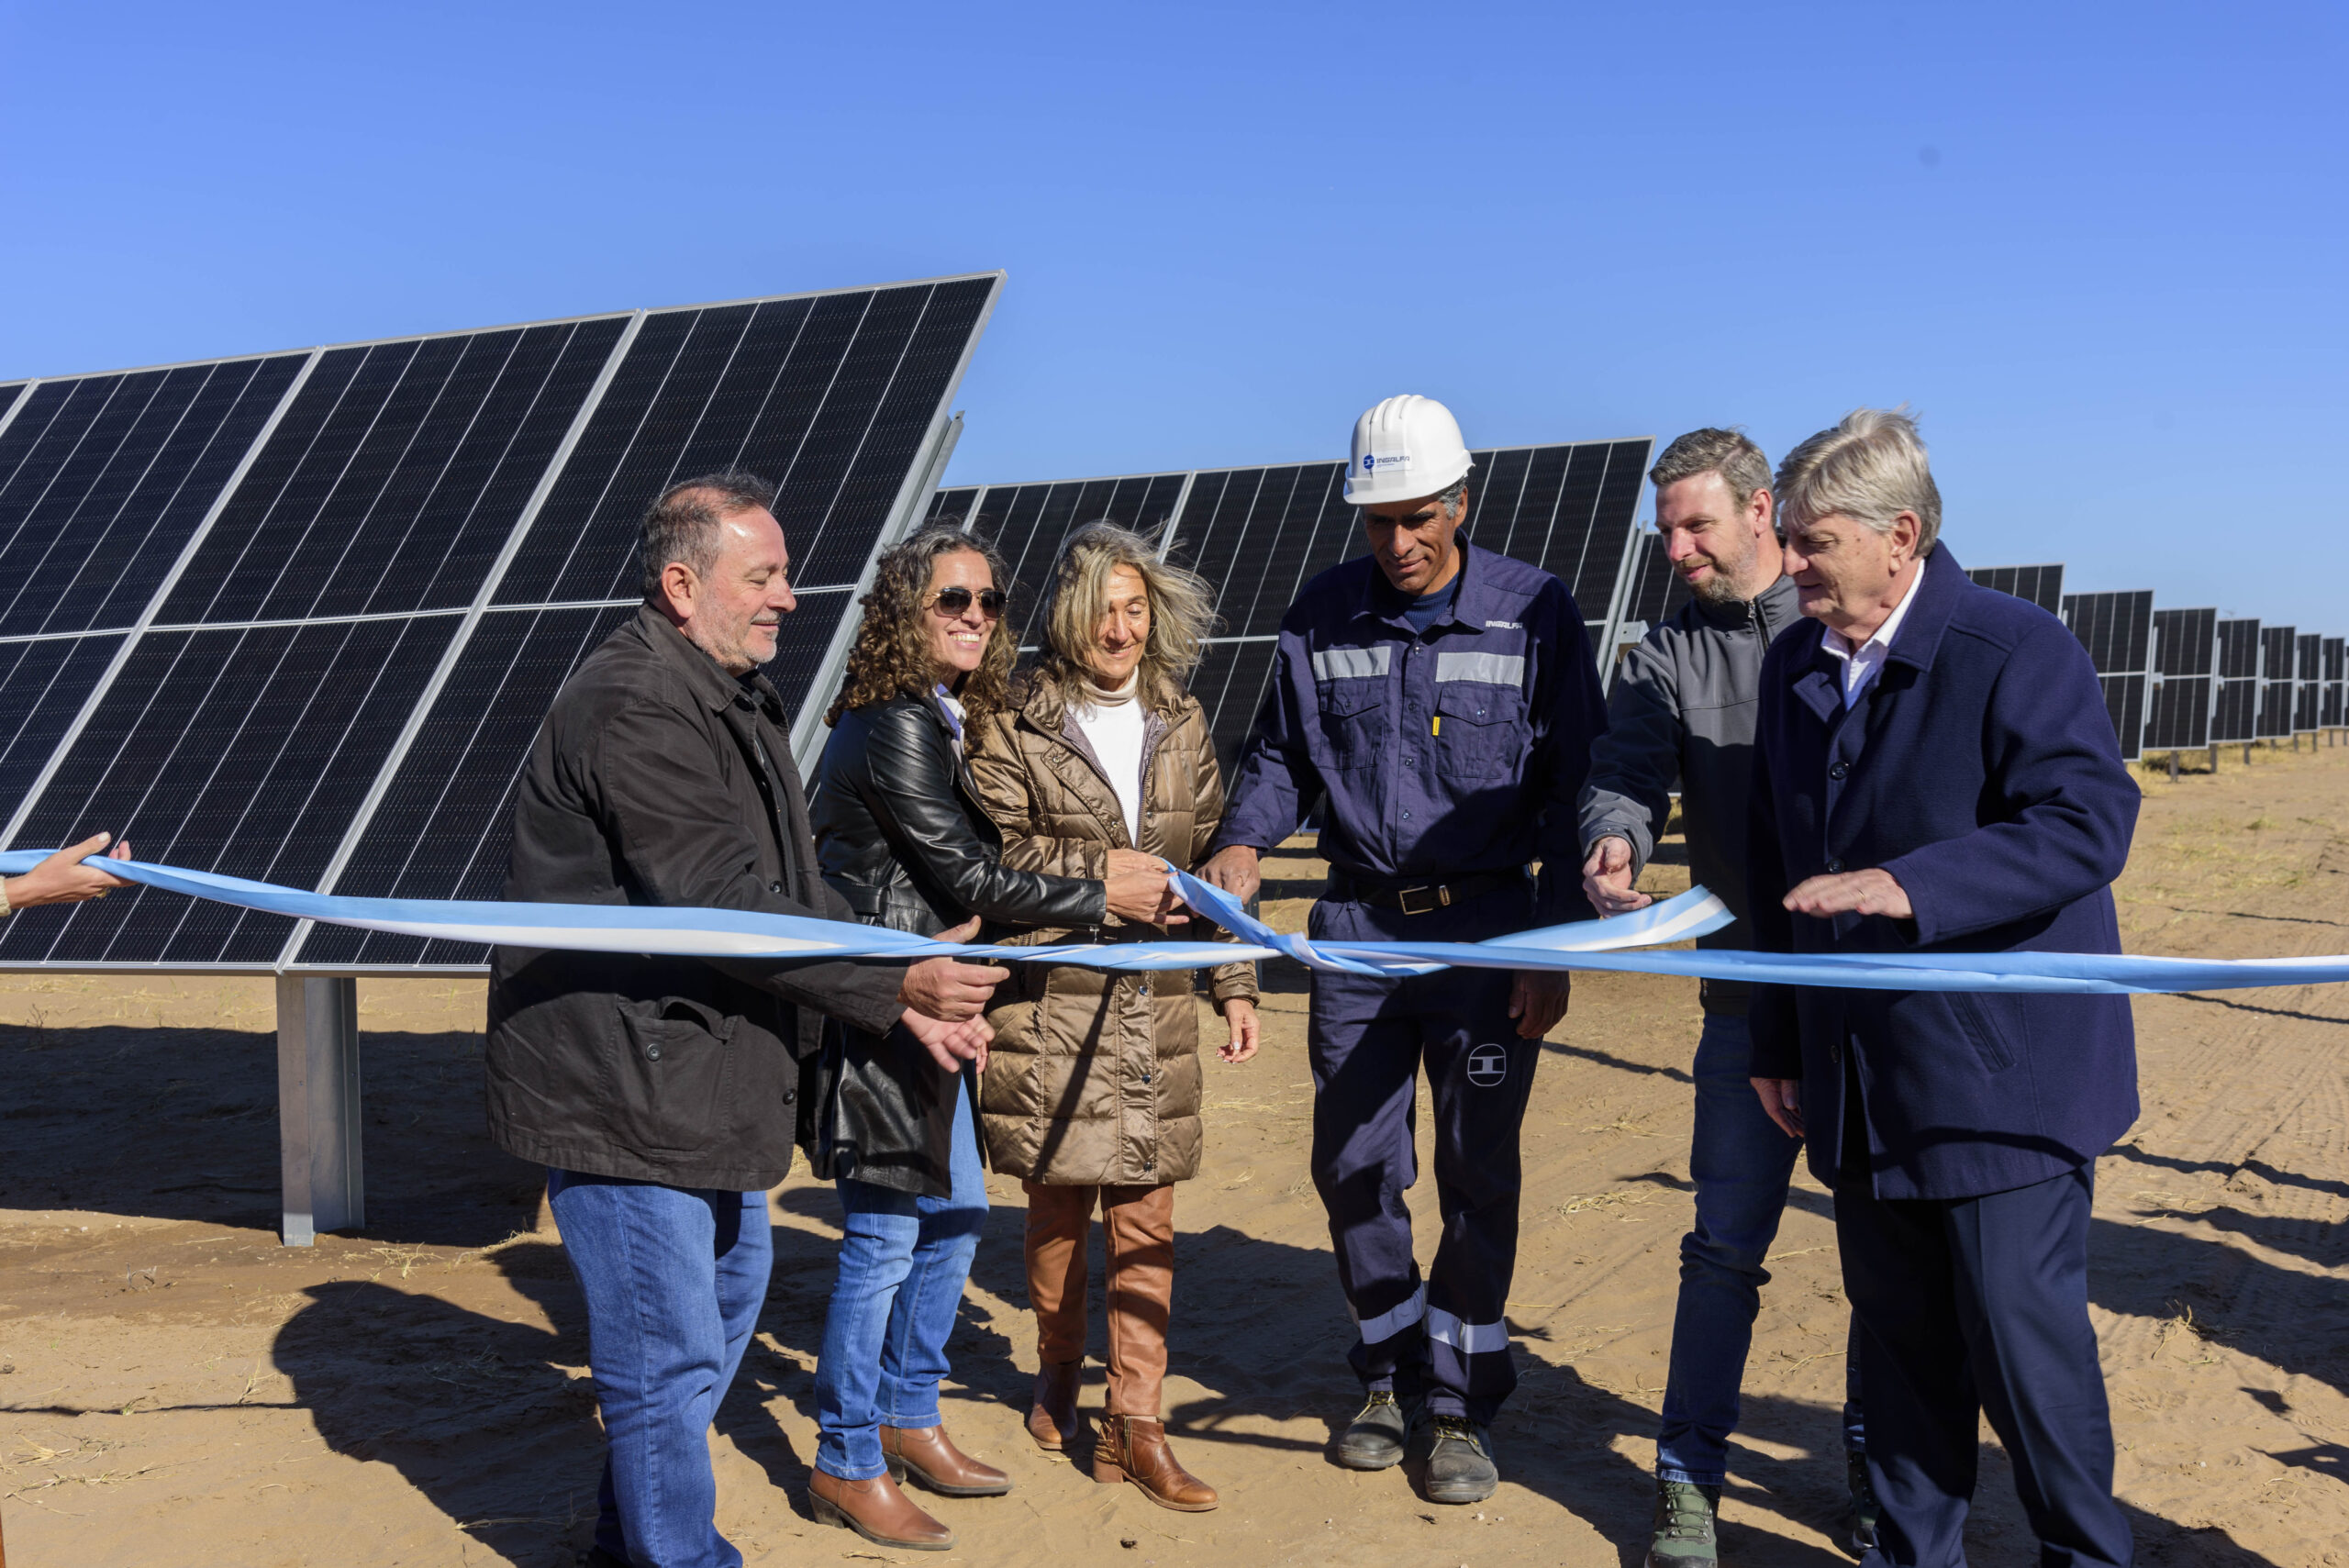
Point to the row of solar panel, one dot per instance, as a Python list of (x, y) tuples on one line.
[(1258, 535), (2181, 680), (297, 617)]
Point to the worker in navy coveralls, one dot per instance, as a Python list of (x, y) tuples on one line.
[(1934, 771), (1439, 701)]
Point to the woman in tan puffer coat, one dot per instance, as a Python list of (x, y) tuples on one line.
[(1091, 1091)]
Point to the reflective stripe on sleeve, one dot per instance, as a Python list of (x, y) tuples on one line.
[(1469, 1338), (1498, 669), (1388, 1324), (1351, 664)]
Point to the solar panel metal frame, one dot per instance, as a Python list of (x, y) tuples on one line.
[(970, 502), (920, 478), (2183, 698)]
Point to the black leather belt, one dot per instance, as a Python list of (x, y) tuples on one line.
[(1423, 898)]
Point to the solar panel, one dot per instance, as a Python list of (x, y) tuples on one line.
[(2278, 686), (297, 617), (1258, 535), (2043, 586), (2117, 631), (1653, 591), (2335, 708), (2308, 682), (2185, 648), (2234, 713)]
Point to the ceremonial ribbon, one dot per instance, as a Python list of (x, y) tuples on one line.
[(1599, 945)]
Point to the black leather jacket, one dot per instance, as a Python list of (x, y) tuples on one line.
[(658, 778), (903, 840)]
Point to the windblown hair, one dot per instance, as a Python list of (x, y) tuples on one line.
[(891, 655), (1713, 450), (683, 525), (1182, 613), (1870, 468)]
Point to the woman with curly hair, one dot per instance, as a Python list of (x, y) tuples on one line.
[(1092, 1096), (903, 837)]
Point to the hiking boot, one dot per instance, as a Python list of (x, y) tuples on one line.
[(1864, 1508), (1373, 1440), (1460, 1461), (1684, 1526)]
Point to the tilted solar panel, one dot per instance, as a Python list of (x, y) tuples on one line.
[(2234, 714), (1259, 534), (2043, 586), (2278, 683), (1653, 591), (2117, 631), (2308, 682), (377, 564), (2334, 712), (2186, 650)]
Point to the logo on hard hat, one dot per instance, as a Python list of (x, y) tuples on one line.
[(1367, 462), (1386, 463)]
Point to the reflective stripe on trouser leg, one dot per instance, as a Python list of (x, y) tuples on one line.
[(1364, 1051), (1480, 1074)]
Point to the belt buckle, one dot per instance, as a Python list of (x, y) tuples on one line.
[(1441, 900)]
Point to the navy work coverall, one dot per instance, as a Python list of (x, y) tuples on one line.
[(1442, 756)]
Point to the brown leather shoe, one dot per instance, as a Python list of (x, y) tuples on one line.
[(930, 1456), (877, 1510), (1051, 1419), (1133, 1448)]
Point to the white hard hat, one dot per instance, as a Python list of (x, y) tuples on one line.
[(1405, 448)]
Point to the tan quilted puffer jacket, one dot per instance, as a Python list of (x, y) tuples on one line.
[(1093, 1079)]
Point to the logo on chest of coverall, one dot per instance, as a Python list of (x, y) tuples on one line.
[(1488, 1065)]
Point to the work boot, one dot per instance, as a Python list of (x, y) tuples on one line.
[(1865, 1509), (1373, 1440), (1684, 1526), (877, 1510), (930, 1456), (1133, 1448), (1051, 1419), (1460, 1461)]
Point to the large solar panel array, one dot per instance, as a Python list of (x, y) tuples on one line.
[(297, 617), (2117, 631), (2186, 650), (2043, 586), (2278, 684), (1259, 534)]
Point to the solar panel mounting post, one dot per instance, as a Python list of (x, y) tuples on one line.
[(321, 1169)]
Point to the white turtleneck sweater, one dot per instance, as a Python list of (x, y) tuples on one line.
[(1113, 726)]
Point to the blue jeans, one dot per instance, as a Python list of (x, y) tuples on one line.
[(673, 1279), (1741, 1164), (902, 1262)]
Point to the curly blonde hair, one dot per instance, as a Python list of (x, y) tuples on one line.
[(891, 655), (1182, 612)]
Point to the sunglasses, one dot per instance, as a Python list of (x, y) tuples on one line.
[(954, 601)]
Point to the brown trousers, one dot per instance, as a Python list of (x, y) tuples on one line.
[(1139, 1224)]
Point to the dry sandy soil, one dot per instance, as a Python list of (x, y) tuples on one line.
[(177, 1389)]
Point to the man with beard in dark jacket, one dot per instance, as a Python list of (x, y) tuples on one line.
[(662, 1092), (1681, 711)]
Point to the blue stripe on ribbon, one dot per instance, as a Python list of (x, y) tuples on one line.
[(1586, 945)]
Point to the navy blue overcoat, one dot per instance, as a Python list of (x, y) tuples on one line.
[(1980, 769)]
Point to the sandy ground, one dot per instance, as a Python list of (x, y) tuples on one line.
[(177, 1389)]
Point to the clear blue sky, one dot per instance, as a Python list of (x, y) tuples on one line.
[(2103, 249)]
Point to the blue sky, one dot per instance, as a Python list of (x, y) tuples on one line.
[(2100, 249)]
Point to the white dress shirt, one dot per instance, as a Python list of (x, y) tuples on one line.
[(1861, 662)]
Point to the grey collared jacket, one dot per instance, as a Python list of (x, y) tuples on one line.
[(1682, 709)]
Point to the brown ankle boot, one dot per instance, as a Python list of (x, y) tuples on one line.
[(930, 1456), (1133, 1448), (1051, 1419), (877, 1510)]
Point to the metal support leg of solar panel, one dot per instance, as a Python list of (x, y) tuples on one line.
[(297, 617)]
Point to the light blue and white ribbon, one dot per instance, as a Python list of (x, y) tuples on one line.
[(1600, 945)]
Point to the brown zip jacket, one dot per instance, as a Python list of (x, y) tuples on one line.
[(1093, 1079)]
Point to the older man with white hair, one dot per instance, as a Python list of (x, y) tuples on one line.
[(1934, 772)]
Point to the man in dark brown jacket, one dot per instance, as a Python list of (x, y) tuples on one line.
[(662, 1092)]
